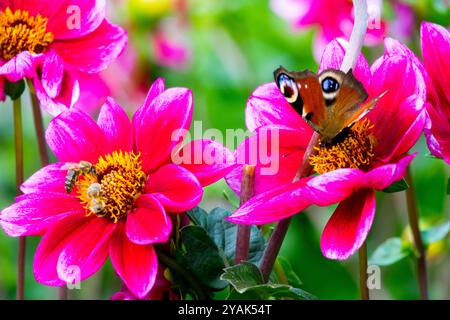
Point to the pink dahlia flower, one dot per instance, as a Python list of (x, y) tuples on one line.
[(125, 188), (435, 41), (372, 156), (333, 18), (47, 41)]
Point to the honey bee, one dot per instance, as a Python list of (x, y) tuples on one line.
[(74, 171), (96, 205)]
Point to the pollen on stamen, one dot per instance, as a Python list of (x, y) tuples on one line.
[(19, 31), (356, 150), (121, 181)]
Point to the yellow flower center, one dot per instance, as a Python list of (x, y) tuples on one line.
[(356, 150), (21, 32), (112, 188)]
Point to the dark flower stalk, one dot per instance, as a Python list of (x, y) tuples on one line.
[(413, 216), (243, 233), (364, 290), (18, 149), (39, 125)]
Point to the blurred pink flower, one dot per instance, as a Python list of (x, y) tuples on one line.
[(333, 19), (161, 290), (435, 41), (169, 52), (119, 208), (54, 49), (379, 144)]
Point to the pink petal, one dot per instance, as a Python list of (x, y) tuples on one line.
[(271, 206), (164, 124), (34, 213), (334, 55), (156, 89), (94, 52), (349, 225), (116, 126), (2, 89), (384, 175), (435, 41), (136, 265), (291, 198), (68, 95), (73, 136), (21, 66), (385, 74), (52, 74), (93, 92), (277, 153), (72, 250), (267, 106), (208, 160), (175, 188), (92, 13), (51, 178), (437, 132), (397, 127), (148, 223)]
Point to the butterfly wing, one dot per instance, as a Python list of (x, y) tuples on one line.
[(344, 104)]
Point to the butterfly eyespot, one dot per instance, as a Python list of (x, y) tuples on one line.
[(330, 85), (288, 88)]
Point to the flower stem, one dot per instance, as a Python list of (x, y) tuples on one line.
[(173, 264), (363, 272), (357, 37), (243, 231), (39, 125), (18, 149), (413, 216), (278, 235)]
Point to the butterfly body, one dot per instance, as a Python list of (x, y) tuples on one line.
[(329, 102)]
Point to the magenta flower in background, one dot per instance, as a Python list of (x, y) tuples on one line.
[(371, 157), (435, 41), (119, 207), (333, 19), (53, 43)]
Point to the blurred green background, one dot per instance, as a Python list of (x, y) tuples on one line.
[(234, 47)]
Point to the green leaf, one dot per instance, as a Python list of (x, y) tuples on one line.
[(232, 199), (224, 233), (435, 234), (448, 186), (390, 252), (247, 282), (201, 256), (198, 216), (243, 276), (14, 89), (284, 273), (397, 186)]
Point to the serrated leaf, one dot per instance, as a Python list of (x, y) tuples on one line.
[(390, 252), (397, 186), (247, 282), (435, 234), (243, 276), (201, 256), (14, 90)]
